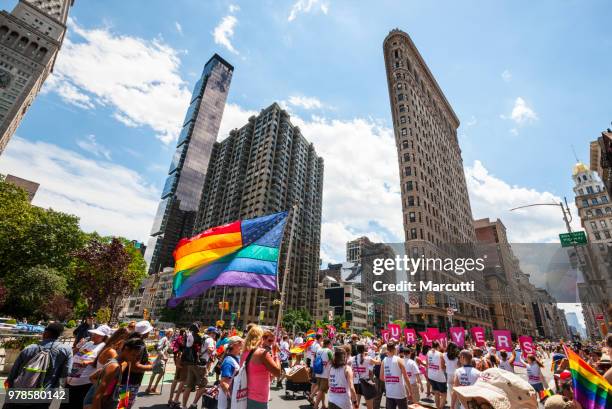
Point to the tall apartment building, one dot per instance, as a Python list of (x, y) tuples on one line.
[(264, 167), (30, 38), (436, 209), (180, 197), (595, 211), (604, 167)]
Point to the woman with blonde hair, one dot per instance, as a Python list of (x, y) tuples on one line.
[(262, 364)]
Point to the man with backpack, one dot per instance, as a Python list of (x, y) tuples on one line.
[(321, 367), (44, 365)]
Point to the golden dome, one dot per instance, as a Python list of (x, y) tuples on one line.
[(579, 168)]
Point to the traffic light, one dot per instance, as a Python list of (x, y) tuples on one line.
[(431, 299), (226, 305)]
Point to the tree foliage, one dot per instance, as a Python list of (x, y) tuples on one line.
[(300, 319), (58, 308), (103, 315)]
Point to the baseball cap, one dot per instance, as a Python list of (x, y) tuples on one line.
[(501, 389), (233, 340), (103, 330), (212, 329), (558, 402), (143, 327)]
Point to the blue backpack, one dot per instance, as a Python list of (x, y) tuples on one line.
[(317, 366)]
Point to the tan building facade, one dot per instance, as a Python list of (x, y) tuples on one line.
[(435, 204), (30, 38)]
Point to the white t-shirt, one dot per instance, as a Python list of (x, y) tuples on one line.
[(82, 363), (208, 348), (298, 341), (451, 366), (311, 351), (533, 374), (325, 354), (412, 370), (361, 366), (506, 365), (394, 380), (434, 366), (466, 376), (284, 351), (339, 390)]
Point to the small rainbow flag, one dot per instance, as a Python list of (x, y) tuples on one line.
[(299, 349), (546, 393), (311, 334), (124, 398), (239, 254), (591, 389)]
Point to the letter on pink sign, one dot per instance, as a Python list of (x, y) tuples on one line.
[(503, 339), (385, 335), (526, 344), (426, 339), (478, 335), (395, 331), (458, 336), (410, 336)]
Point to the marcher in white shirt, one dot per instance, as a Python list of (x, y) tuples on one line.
[(413, 372), (397, 384), (464, 376), (436, 374)]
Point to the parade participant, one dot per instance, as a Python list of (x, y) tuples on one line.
[(361, 364), (414, 375), (111, 351), (261, 350), (421, 360), (505, 363), (479, 362), (376, 371), (310, 354), (59, 368), (83, 365), (535, 377), (436, 369), (342, 393), (131, 326), (159, 366), (285, 356), (195, 370), (207, 354), (397, 384), (108, 379), (451, 359), (321, 367), (465, 375), (229, 369), (82, 331), (178, 346), (491, 358), (496, 388), (132, 377)]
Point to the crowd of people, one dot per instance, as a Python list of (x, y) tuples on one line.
[(105, 368)]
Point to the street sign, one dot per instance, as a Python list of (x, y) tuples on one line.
[(450, 312), (413, 301), (576, 238)]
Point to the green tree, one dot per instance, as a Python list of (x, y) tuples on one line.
[(106, 269), (300, 319), (401, 323), (30, 291), (103, 315), (31, 236)]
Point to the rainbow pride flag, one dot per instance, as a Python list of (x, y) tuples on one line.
[(239, 254), (591, 389), (299, 349)]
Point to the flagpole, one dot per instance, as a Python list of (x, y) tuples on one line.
[(293, 213)]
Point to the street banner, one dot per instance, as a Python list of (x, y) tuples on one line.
[(526, 343), (320, 331), (385, 335), (503, 340), (395, 331), (331, 331), (426, 339), (410, 336), (458, 336), (478, 336)]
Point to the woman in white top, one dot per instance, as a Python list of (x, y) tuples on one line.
[(341, 394), (393, 374), (436, 373), (534, 373), (413, 372), (451, 359), (361, 365), (465, 375), (505, 363)]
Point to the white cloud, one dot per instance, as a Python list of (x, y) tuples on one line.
[(90, 145), (234, 8), (137, 78), (224, 32), (492, 197), (179, 27), (521, 113), (506, 75), (305, 102), (108, 198), (307, 6)]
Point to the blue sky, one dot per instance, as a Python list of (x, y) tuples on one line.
[(527, 80)]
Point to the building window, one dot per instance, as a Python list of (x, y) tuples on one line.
[(407, 171), (608, 210), (413, 233), (594, 201), (604, 199), (409, 186), (406, 157), (412, 217), (594, 225), (402, 119), (404, 131), (585, 203), (607, 234), (580, 191), (598, 212), (410, 200), (402, 108), (603, 224), (589, 189), (400, 97), (597, 236)]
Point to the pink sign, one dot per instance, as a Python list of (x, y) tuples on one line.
[(395, 331), (503, 339), (478, 335), (331, 331), (426, 339), (410, 336), (320, 331), (432, 333), (385, 335), (443, 340), (526, 343), (457, 335)]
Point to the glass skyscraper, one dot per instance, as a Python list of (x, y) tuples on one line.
[(183, 188)]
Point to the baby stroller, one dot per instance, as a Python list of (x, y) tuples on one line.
[(298, 380)]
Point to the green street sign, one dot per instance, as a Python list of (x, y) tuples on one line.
[(577, 238)]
